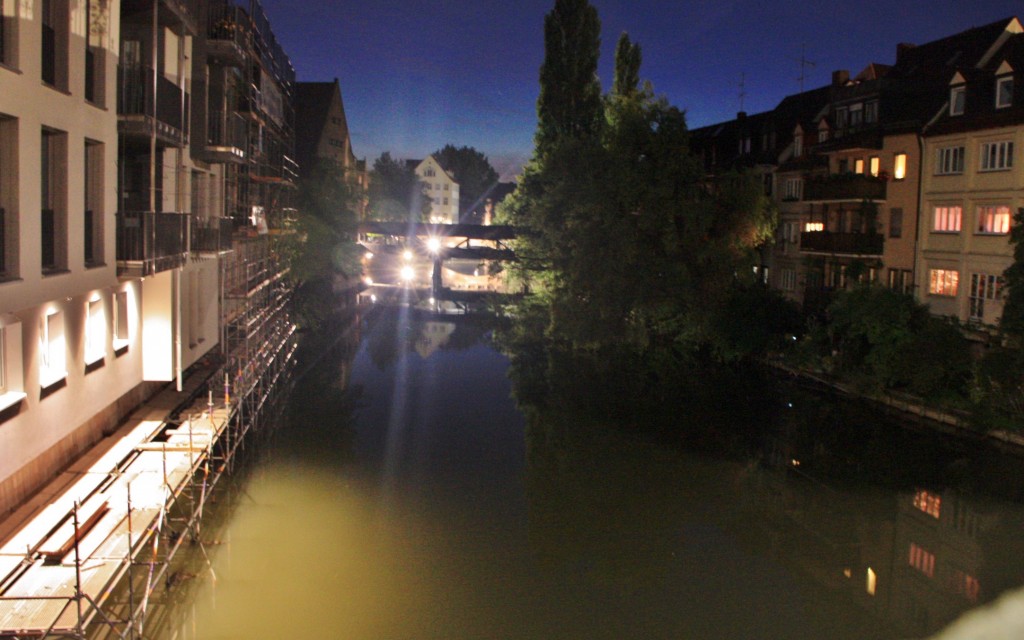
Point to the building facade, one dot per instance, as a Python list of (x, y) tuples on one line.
[(441, 188)]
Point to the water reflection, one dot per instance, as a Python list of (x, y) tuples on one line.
[(410, 497)]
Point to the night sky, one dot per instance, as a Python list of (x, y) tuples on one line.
[(416, 75)]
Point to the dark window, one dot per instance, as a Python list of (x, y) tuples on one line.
[(896, 222)]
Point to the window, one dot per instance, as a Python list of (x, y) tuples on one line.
[(798, 145), (900, 280), (8, 199), (858, 165), (792, 189), (966, 585), (856, 115), (55, 25), (844, 165), (97, 17), (874, 165), (899, 166), (957, 97), (446, 187), (947, 219), (95, 331), (929, 503), (923, 561), (120, 320), (841, 118), (1004, 92), (984, 286), (52, 362), (994, 219), (429, 172), (445, 201), (53, 181), (788, 279), (896, 222), (943, 282), (8, 24), (996, 156), (93, 236), (950, 160), (871, 112)]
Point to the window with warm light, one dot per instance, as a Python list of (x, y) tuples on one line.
[(872, 582), (899, 166), (984, 287), (858, 165), (928, 502), (994, 219), (922, 560), (957, 98), (874, 165), (52, 357), (950, 161), (997, 156), (966, 585), (943, 282), (1004, 92), (95, 332), (947, 219), (814, 226)]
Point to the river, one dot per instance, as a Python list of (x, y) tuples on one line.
[(405, 495)]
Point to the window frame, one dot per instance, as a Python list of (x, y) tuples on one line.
[(943, 282), (1000, 83), (993, 219), (983, 286), (957, 100), (899, 166), (946, 221), (996, 156), (950, 160)]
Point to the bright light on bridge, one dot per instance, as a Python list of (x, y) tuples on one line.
[(407, 273), (407, 255), (433, 244)]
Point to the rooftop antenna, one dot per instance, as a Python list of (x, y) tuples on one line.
[(743, 88), (804, 63)]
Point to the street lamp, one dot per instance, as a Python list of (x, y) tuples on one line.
[(433, 245)]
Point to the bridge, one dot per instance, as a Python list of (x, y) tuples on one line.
[(437, 239)]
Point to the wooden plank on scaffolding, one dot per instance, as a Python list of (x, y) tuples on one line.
[(61, 541)]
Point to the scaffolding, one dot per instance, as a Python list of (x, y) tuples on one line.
[(99, 560)]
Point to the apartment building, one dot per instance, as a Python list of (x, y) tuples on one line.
[(146, 150), (972, 184), (441, 188)]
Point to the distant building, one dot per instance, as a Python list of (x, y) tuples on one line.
[(321, 131), (441, 188)]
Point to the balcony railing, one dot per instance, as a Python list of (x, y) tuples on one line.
[(226, 136), (228, 33), (135, 103), (845, 186), (833, 242), (212, 235), (149, 242)]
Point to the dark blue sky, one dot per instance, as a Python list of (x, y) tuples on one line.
[(416, 75)]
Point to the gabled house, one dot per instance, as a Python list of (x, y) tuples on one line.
[(972, 184), (441, 188)]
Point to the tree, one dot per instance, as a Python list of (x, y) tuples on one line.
[(627, 67), (569, 104), (1012, 321), (396, 193), (472, 170)]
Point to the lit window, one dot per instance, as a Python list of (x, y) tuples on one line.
[(966, 585), (928, 503), (950, 160), (984, 286), (52, 358), (994, 219), (947, 219), (872, 582), (95, 332), (957, 97), (943, 282), (899, 166), (120, 320), (922, 560), (814, 226), (1004, 92), (858, 165), (996, 156), (875, 165)]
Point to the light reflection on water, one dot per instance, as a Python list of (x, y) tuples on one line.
[(417, 503)]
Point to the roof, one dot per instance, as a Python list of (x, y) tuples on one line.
[(313, 108)]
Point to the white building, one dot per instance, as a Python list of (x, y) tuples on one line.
[(442, 189)]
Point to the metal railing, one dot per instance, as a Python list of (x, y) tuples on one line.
[(211, 235), (842, 242), (135, 97), (151, 242), (226, 129)]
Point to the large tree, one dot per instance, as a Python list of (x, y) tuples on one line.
[(569, 104), (472, 170), (396, 193)]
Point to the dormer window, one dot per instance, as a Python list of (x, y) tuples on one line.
[(798, 144), (840, 117), (1004, 92), (957, 97), (871, 112)]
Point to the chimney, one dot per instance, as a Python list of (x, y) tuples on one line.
[(741, 115), (902, 48), (840, 77)]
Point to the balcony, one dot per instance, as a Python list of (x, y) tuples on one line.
[(212, 235), (228, 34), (226, 137), (149, 242), (178, 15), (844, 186), (841, 243), (137, 117)]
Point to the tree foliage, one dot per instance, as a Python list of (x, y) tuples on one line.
[(569, 104), (396, 193), (1012, 321), (627, 67), (471, 169)]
